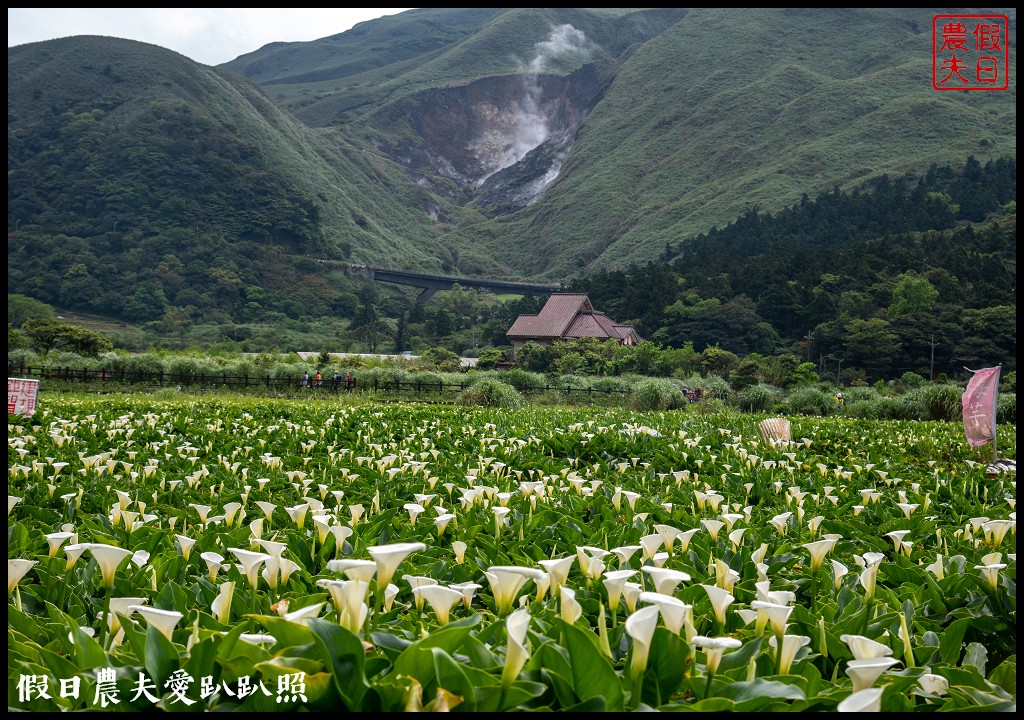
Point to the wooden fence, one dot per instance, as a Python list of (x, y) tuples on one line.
[(418, 389)]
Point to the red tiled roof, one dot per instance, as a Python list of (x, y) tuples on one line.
[(568, 315), (597, 325), (553, 319)]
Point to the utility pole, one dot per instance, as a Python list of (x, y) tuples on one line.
[(931, 369), (838, 371), (808, 337)]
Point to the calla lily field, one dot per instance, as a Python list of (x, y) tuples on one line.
[(276, 555)]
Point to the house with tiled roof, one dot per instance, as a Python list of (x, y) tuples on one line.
[(566, 316)]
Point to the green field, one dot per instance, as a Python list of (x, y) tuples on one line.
[(348, 555)]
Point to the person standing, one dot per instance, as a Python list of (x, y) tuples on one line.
[(305, 379), (335, 382), (350, 382)]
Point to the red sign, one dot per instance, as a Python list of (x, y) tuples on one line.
[(979, 405), (970, 52), (21, 396)]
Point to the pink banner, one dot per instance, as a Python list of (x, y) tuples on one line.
[(979, 402), (21, 396)]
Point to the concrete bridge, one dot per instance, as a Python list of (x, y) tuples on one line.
[(432, 283)]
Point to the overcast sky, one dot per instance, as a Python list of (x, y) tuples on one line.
[(208, 35)]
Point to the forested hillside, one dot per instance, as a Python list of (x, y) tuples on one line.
[(753, 180), (916, 274)]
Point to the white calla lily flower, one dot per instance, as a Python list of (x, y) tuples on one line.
[(517, 652), (615, 582), (221, 605), (640, 626), (864, 673), (389, 557), (17, 568), (251, 562), (665, 580), (714, 648), (867, 700), (440, 598), (109, 559), (791, 644), (506, 581), (163, 620)]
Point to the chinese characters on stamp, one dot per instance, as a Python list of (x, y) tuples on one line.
[(970, 52)]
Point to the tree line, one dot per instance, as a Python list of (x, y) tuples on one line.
[(914, 274)]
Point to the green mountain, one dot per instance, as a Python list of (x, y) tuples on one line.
[(524, 143)]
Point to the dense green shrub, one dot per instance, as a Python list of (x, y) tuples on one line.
[(1006, 408), (490, 357), (73, 361), (288, 372), (113, 362), (656, 394), (183, 370), (431, 379), (246, 368), (939, 401), (612, 385), (523, 379), (148, 363), (386, 377), (573, 382), (491, 393), (859, 394), (711, 386), (811, 401), (911, 406), (759, 398)]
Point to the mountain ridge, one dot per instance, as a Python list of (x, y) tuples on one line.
[(658, 125)]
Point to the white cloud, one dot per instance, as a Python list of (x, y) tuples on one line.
[(208, 35)]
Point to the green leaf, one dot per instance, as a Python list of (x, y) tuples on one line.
[(935, 594), (202, 658), (480, 656), (161, 658), (714, 704), (21, 622), (1005, 675), (288, 665), (952, 638), (343, 654), (592, 672), (595, 704), (173, 597), (521, 692), (451, 677), (552, 661), (977, 656), (286, 632), (413, 662), (88, 653), (135, 637), (741, 657), (753, 695), (58, 665)]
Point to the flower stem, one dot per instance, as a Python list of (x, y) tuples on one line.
[(104, 623)]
